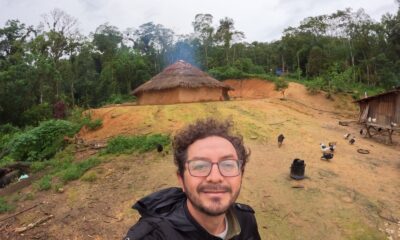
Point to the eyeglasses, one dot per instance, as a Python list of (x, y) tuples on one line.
[(202, 168)]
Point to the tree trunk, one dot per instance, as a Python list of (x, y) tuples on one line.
[(72, 93)]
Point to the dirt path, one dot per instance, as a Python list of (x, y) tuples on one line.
[(354, 196)]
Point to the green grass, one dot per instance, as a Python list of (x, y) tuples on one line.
[(123, 144), (75, 170), (4, 206), (89, 177), (44, 184)]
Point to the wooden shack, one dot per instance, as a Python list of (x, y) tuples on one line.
[(381, 113)]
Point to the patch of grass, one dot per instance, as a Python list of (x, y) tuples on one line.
[(75, 170), (123, 144), (89, 177), (29, 196), (4, 206), (44, 184), (94, 124)]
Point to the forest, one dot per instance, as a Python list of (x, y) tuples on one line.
[(50, 68)]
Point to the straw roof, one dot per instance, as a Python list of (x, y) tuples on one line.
[(180, 74)]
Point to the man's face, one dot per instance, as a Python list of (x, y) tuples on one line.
[(214, 194)]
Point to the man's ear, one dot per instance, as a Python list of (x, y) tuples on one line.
[(180, 180)]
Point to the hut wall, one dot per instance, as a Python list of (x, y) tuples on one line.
[(397, 110), (200, 94), (167, 96), (179, 95), (384, 108)]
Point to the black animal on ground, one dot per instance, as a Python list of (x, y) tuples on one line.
[(280, 140), (327, 156), (159, 148), (352, 141)]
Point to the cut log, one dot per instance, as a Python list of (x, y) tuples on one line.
[(8, 178)]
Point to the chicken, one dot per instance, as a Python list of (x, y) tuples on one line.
[(352, 141), (280, 140), (324, 148), (159, 148), (332, 146), (327, 156)]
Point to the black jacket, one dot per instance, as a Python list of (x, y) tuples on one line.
[(165, 216)]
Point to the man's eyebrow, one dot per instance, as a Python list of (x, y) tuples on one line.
[(229, 156)]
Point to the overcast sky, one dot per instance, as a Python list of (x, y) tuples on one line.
[(260, 20)]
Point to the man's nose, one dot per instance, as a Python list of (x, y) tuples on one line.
[(215, 174)]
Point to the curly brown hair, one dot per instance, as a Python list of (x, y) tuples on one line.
[(202, 129)]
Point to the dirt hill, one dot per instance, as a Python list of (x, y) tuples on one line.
[(354, 196)]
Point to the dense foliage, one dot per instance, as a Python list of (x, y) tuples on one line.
[(46, 70), (41, 142)]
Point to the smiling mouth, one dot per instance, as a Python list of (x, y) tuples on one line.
[(214, 192)]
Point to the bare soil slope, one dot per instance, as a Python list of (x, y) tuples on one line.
[(354, 196)]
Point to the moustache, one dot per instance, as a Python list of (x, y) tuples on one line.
[(214, 188)]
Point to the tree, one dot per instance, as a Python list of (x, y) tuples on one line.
[(204, 31), (226, 33)]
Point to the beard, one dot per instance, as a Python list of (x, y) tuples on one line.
[(213, 206)]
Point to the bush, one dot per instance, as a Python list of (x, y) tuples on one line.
[(41, 142), (123, 144), (119, 98), (36, 114), (59, 110), (315, 85), (280, 84), (4, 206), (226, 72), (94, 124), (89, 177), (75, 170), (44, 184)]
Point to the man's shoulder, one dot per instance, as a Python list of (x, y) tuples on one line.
[(243, 208), (146, 228)]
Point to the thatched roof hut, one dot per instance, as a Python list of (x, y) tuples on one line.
[(181, 82)]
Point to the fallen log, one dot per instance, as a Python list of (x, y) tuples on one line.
[(32, 225)]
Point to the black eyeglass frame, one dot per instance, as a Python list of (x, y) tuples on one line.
[(238, 162)]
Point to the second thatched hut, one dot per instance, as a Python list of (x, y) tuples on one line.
[(181, 82)]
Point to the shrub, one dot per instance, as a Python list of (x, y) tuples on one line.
[(76, 170), (226, 72), (41, 142), (314, 86), (123, 144), (94, 124), (44, 184), (59, 110), (4, 206), (281, 83), (119, 98), (36, 114), (89, 177)]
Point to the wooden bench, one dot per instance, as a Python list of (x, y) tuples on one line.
[(381, 129)]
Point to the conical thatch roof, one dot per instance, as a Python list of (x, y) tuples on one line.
[(180, 74)]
